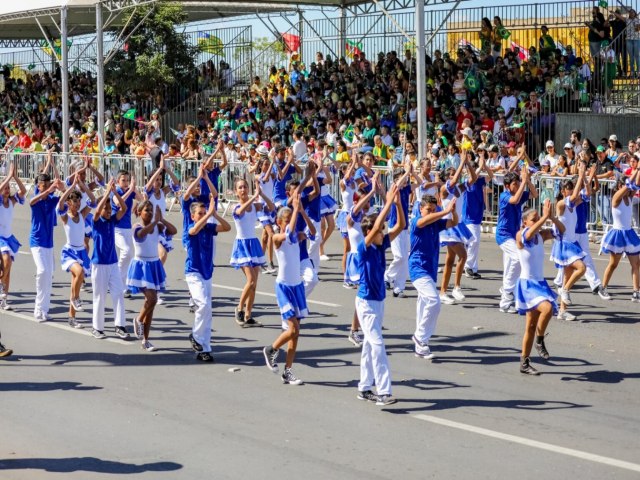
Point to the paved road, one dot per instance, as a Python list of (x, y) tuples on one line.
[(74, 407)]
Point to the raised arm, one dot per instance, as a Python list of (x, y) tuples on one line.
[(7, 179), (516, 197), (576, 198), (366, 198), (401, 222), (146, 230), (200, 224), (196, 182), (56, 185), (382, 216)]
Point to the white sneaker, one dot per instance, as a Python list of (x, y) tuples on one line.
[(564, 315), (510, 309), (422, 350), (508, 296), (324, 258), (603, 293), (439, 269), (457, 294), (160, 300), (148, 346), (635, 298), (564, 296), (447, 299), (76, 303)]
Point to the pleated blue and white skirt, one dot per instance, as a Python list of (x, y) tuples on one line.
[(565, 253), (291, 301), (328, 205), (341, 223), (10, 245), (267, 217), (70, 255), (351, 271), (88, 225), (166, 241), (458, 234), (143, 274), (247, 252), (531, 293), (621, 241)]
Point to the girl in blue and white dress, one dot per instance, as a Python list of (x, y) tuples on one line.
[(348, 189), (74, 257), (265, 175), (457, 237), (289, 291), (566, 252), (533, 296), (9, 244), (328, 207), (427, 184), (146, 273), (247, 253), (622, 239), (157, 195)]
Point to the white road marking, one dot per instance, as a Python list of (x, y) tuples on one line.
[(24, 253), (532, 443), (63, 326), (236, 289)]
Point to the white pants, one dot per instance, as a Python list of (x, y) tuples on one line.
[(473, 247), (511, 265), (398, 270), (374, 366), (43, 258), (103, 278), (314, 246), (427, 309), (124, 243), (200, 290), (309, 276), (590, 275)]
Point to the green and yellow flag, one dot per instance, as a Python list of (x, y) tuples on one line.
[(210, 44)]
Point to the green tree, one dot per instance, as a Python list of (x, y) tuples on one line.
[(267, 52), (156, 55)]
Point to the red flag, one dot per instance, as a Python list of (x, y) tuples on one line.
[(291, 42)]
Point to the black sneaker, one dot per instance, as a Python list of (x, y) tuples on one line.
[(382, 400), (127, 293), (468, 273), (475, 276), (250, 322), (204, 357), (368, 396), (5, 352), (239, 317), (542, 349), (194, 344), (527, 369), (288, 378), (121, 332), (98, 334), (271, 357)]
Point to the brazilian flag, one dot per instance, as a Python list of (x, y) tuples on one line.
[(471, 83)]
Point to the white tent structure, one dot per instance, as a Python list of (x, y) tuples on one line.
[(59, 19)]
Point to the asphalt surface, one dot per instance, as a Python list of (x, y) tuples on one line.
[(74, 407)]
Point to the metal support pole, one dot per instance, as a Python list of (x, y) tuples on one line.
[(342, 34), (301, 33), (421, 85), (64, 73), (100, 74)]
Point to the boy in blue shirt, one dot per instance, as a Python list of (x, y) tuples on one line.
[(509, 223), (396, 275), (424, 234), (105, 275), (472, 214), (199, 270), (374, 367)]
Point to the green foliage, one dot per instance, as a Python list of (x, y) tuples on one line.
[(156, 56)]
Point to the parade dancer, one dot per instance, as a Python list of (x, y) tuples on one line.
[(510, 202), (424, 235), (328, 204), (9, 244), (247, 253), (622, 239), (264, 174), (146, 273), (472, 215), (374, 366), (126, 188), (533, 296), (85, 199), (347, 191), (105, 275), (199, 270)]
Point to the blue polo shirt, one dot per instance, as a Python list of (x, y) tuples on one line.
[(125, 221), (405, 193), (214, 176), (473, 203), (582, 214), (424, 249), (104, 243), (312, 207), (200, 250), (371, 265), (43, 219), (185, 207), (280, 186), (510, 217)]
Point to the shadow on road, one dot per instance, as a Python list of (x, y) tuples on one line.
[(451, 403), (87, 464), (597, 376), (44, 386)]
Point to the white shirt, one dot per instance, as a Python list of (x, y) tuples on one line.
[(299, 149), (509, 103)]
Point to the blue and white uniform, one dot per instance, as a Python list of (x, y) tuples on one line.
[(472, 214), (280, 185), (460, 233), (290, 292), (146, 270), (374, 366), (198, 272), (105, 275), (247, 251), (123, 234), (423, 272), (85, 201), (266, 186), (531, 288), (566, 250), (621, 238), (8, 242), (165, 240), (351, 271), (398, 271), (73, 251), (43, 220), (582, 236), (422, 191), (347, 204), (312, 208), (328, 204)]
